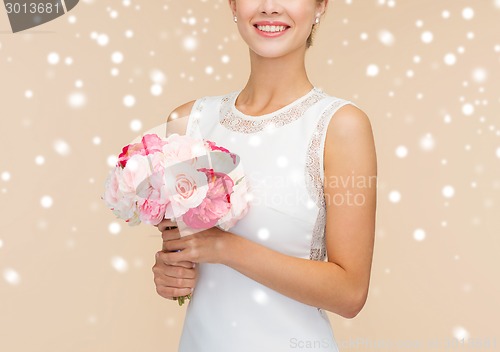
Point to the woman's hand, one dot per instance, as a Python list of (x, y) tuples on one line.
[(172, 279), (208, 246)]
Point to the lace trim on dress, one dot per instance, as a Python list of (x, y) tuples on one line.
[(315, 183), (235, 123), (314, 176)]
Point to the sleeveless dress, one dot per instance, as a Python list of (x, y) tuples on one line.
[(282, 156)]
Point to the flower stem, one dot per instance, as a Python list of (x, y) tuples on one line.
[(182, 299)]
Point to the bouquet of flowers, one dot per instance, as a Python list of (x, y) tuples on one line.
[(193, 182)]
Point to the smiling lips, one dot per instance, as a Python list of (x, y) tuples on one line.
[(271, 28)]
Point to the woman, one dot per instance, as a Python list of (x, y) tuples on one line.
[(306, 244)]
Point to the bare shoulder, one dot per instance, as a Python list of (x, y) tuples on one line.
[(349, 140), (348, 119), (177, 120), (181, 111)]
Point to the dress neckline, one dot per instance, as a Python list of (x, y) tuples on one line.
[(240, 114)]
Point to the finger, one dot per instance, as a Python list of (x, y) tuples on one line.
[(163, 280), (179, 292), (173, 245), (165, 223), (168, 235), (172, 292), (185, 264), (164, 246), (173, 271), (173, 258), (161, 261), (161, 225)]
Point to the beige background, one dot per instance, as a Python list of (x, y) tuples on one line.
[(74, 278)]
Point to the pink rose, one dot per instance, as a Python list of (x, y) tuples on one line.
[(137, 170), (183, 148), (153, 143), (239, 206), (186, 187), (126, 208), (122, 205), (151, 211), (215, 205), (128, 151), (153, 198), (150, 144), (112, 193)]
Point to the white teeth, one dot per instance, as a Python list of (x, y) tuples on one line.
[(272, 28)]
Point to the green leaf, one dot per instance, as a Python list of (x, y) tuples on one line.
[(239, 180)]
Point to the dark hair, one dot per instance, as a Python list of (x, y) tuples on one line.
[(309, 41)]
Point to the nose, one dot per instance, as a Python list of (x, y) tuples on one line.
[(270, 7)]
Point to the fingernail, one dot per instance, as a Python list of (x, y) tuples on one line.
[(192, 289), (194, 265)]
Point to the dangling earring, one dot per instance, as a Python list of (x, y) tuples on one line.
[(235, 19)]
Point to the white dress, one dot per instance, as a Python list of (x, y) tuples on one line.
[(282, 156)]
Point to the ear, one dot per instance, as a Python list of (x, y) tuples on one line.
[(321, 8), (232, 5)]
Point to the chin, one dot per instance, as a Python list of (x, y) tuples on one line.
[(269, 54), (276, 52)]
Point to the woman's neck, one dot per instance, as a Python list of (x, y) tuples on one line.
[(274, 82)]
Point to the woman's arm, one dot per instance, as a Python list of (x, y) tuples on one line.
[(341, 284)]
